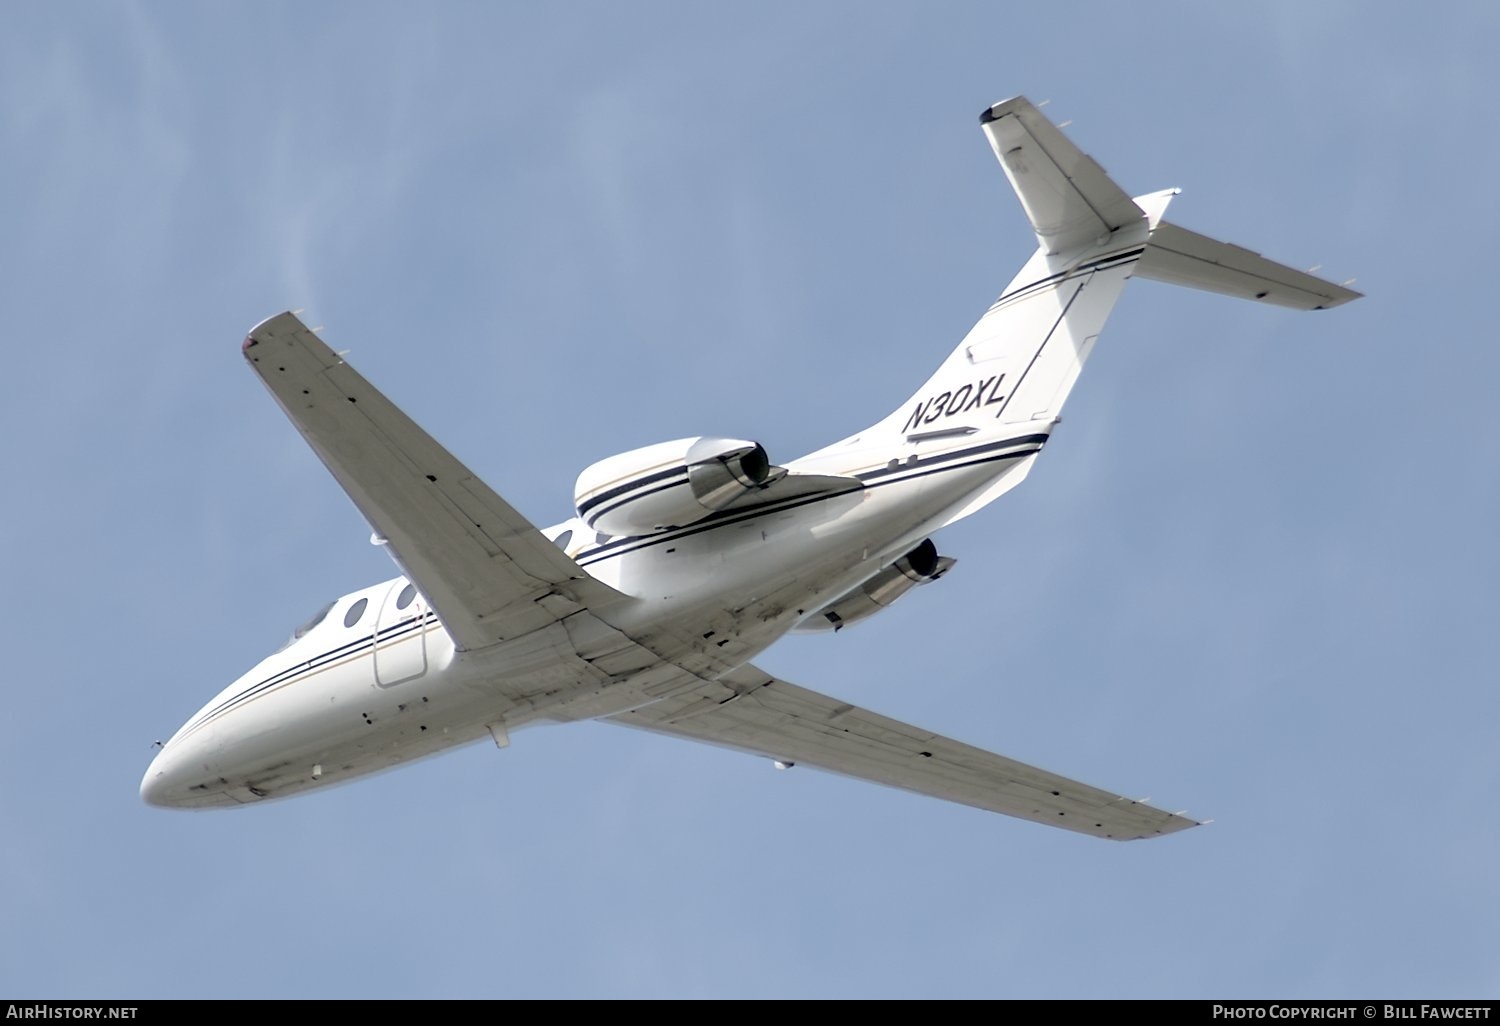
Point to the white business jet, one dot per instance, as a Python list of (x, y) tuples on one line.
[(688, 558)]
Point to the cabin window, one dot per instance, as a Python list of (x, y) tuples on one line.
[(562, 540), (356, 612), (405, 598), (312, 622)]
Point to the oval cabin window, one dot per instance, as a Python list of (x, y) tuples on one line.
[(356, 613)]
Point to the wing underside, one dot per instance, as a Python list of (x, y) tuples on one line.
[(484, 567), (752, 711)]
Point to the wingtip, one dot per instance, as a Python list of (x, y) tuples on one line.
[(262, 327), (995, 111), (271, 326), (1347, 296)]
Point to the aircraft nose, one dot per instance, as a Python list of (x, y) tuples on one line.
[(162, 786), (175, 781), (153, 791)]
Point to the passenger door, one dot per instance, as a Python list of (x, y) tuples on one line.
[(400, 635)]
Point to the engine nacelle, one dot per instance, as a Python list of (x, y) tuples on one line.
[(670, 484), (920, 565)]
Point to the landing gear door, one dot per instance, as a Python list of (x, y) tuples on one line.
[(400, 635)]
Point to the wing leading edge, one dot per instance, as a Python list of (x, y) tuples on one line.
[(482, 565), (752, 711)]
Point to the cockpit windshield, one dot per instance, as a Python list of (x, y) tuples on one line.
[(312, 622)]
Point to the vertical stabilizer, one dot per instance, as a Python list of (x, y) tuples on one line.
[(1069, 199), (1004, 386)]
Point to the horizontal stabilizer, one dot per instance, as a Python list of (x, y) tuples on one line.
[(1182, 257), (1068, 198)]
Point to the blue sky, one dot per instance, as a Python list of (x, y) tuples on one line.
[(1253, 577)]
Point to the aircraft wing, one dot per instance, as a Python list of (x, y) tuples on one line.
[(752, 711), (482, 565)]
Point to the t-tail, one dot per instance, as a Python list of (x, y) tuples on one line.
[(1011, 374)]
